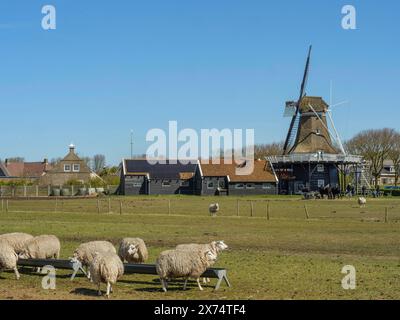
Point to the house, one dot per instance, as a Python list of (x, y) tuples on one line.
[(20, 170), (387, 176), (70, 168), (139, 176), (223, 178)]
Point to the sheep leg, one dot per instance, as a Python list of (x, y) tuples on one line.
[(198, 283), (98, 289), (208, 280), (204, 280), (108, 289), (184, 284), (17, 276), (163, 283)]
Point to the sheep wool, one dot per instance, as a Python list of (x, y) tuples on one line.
[(106, 267), (140, 257), (16, 240), (183, 263), (85, 252), (8, 258), (41, 247)]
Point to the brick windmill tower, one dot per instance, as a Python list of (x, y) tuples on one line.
[(313, 156)]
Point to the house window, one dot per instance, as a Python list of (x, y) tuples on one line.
[(210, 185), (249, 186), (321, 183), (185, 183), (239, 186), (320, 168), (166, 184), (137, 184), (221, 184), (67, 168), (76, 167), (269, 186)]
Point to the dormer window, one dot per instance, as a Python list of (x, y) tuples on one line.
[(67, 168), (318, 132), (76, 168)]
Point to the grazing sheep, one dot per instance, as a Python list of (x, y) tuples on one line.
[(41, 247), (141, 254), (16, 240), (213, 209), (183, 263), (362, 201), (8, 258), (106, 267), (85, 252), (215, 247)]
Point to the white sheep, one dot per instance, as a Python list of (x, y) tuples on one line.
[(8, 258), (213, 209), (215, 247), (141, 254), (183, 264), (362, 201), (41, 247), (16, 240), (85, 252), (106, 267)]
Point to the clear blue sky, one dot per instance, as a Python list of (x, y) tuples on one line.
[(112, 66)]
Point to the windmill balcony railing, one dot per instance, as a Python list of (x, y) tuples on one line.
[(316, 157)]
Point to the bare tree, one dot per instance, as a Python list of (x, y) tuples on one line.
[(269, 149), (16, 159), (394, 155), (99, 162), (374, 146)]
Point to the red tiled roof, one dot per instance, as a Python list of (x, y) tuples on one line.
[(262, 171), (27, 169)]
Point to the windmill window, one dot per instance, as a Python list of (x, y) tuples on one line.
[(321, 183), (137, 184), (320, 168), (318, 132)]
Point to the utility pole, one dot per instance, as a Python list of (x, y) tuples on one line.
[(131, 144)]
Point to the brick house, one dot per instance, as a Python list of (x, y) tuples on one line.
[(32, 171), (71, 167)]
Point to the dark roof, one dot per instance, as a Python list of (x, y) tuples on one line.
[(165, 170), (318, 104), (262, 171)]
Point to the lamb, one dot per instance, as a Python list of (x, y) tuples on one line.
[(141, 254), (106, 267), (8, 258), (16, 240), (85, 252), (183, 263), (213, 209), (41, 247), (215, 247), (362, 201)]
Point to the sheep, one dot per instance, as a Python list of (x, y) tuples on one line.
[(141, 254), (213, 209), (106, 267), (183, 263), (41, 247), (85, 252), (362, 201), (215, 247), (16, 240), (8, 258)]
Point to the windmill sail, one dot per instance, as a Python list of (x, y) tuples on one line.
[(292, 130)]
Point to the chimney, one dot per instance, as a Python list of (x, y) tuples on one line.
[(45, 161), (6, 162)]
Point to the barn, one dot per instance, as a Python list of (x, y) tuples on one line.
[(139, 176)]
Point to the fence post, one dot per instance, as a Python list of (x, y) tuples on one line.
[(55, 208), (98, 206), (7, 205), (48, 191), (386, 215), (251, 208), (306, 210), (72, 190), (2, 205), (24, 190), (109, 204), (237, 207), (37, 191), (169, 206), (120, 207), (268, 210)]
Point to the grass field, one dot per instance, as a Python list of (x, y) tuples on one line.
[(285, 257)]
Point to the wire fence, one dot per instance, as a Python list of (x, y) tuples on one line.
[(35, 191), (374, 211)]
